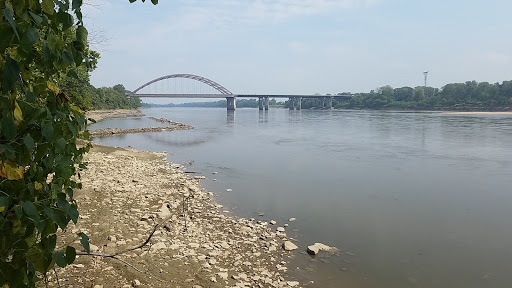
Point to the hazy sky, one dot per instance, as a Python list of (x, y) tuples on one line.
[(303, 46)]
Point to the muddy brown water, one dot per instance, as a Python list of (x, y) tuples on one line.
[(410, 199)]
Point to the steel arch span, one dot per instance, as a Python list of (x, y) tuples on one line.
[(204, 80)]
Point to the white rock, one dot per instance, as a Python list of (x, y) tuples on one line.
[(229, 190), (93, 248), (280, 229), (159, 245), (289, 246), (292, 283), (291, 219), (313, 249), (135, 283), (164, 212), (272, 222), (223, 275)]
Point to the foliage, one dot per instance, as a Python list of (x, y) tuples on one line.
[(44, 58), (41, 43), (113, 98), (470, 95)]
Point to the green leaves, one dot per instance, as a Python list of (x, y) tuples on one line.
[(8, 17), (85, 242), (47, 131), (152, 1), (8, 128), (48, 6), (32, 35), (29, 142), (81, 34), (11, 74), (31, 211)]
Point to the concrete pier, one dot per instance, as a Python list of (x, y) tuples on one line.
[(260, 103), (266, 102), (295, 103), (231, 103), (329, 102)]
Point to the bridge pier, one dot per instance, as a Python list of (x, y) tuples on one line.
[(260, 103), (266, 102), (231, 103), (329, 102), (295, 103)]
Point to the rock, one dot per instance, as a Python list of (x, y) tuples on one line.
[(212, 261), (224, 245), (313, 249), (163, 212), (135, 283), (159, 245), (215, 172), (272, 222), (98, 286), (280, 229), (289, 246), (112, 238), (93, 248), (223, 275), (229, 190), (291, 219), (292, 283), (285, 225), (213, 279), (261, 214)]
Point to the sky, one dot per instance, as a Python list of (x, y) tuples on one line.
[(302, 46)]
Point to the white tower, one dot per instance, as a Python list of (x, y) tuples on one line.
[(426, 75)]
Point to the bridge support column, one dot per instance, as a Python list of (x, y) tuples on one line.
[(329, 102), (231, 101), (260, 103), (299, 103), (266, 102), (291, 103)]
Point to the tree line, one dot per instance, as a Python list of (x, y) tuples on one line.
[(470, 95)]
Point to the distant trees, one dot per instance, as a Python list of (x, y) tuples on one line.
[(470, 95)]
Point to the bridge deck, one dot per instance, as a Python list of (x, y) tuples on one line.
[(214, 96)]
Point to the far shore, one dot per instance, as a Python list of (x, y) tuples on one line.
[(478, 113)]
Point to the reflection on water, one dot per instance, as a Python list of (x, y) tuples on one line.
[(411, 199)]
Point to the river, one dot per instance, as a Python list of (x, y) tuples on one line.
[(410, 199)]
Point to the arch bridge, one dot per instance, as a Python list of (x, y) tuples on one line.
[(220, 91)]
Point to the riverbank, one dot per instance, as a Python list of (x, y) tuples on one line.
[(478, 113), (197, 244), (98, 115)]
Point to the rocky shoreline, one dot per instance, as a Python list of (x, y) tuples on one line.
[(127, 192), (98, 115)]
